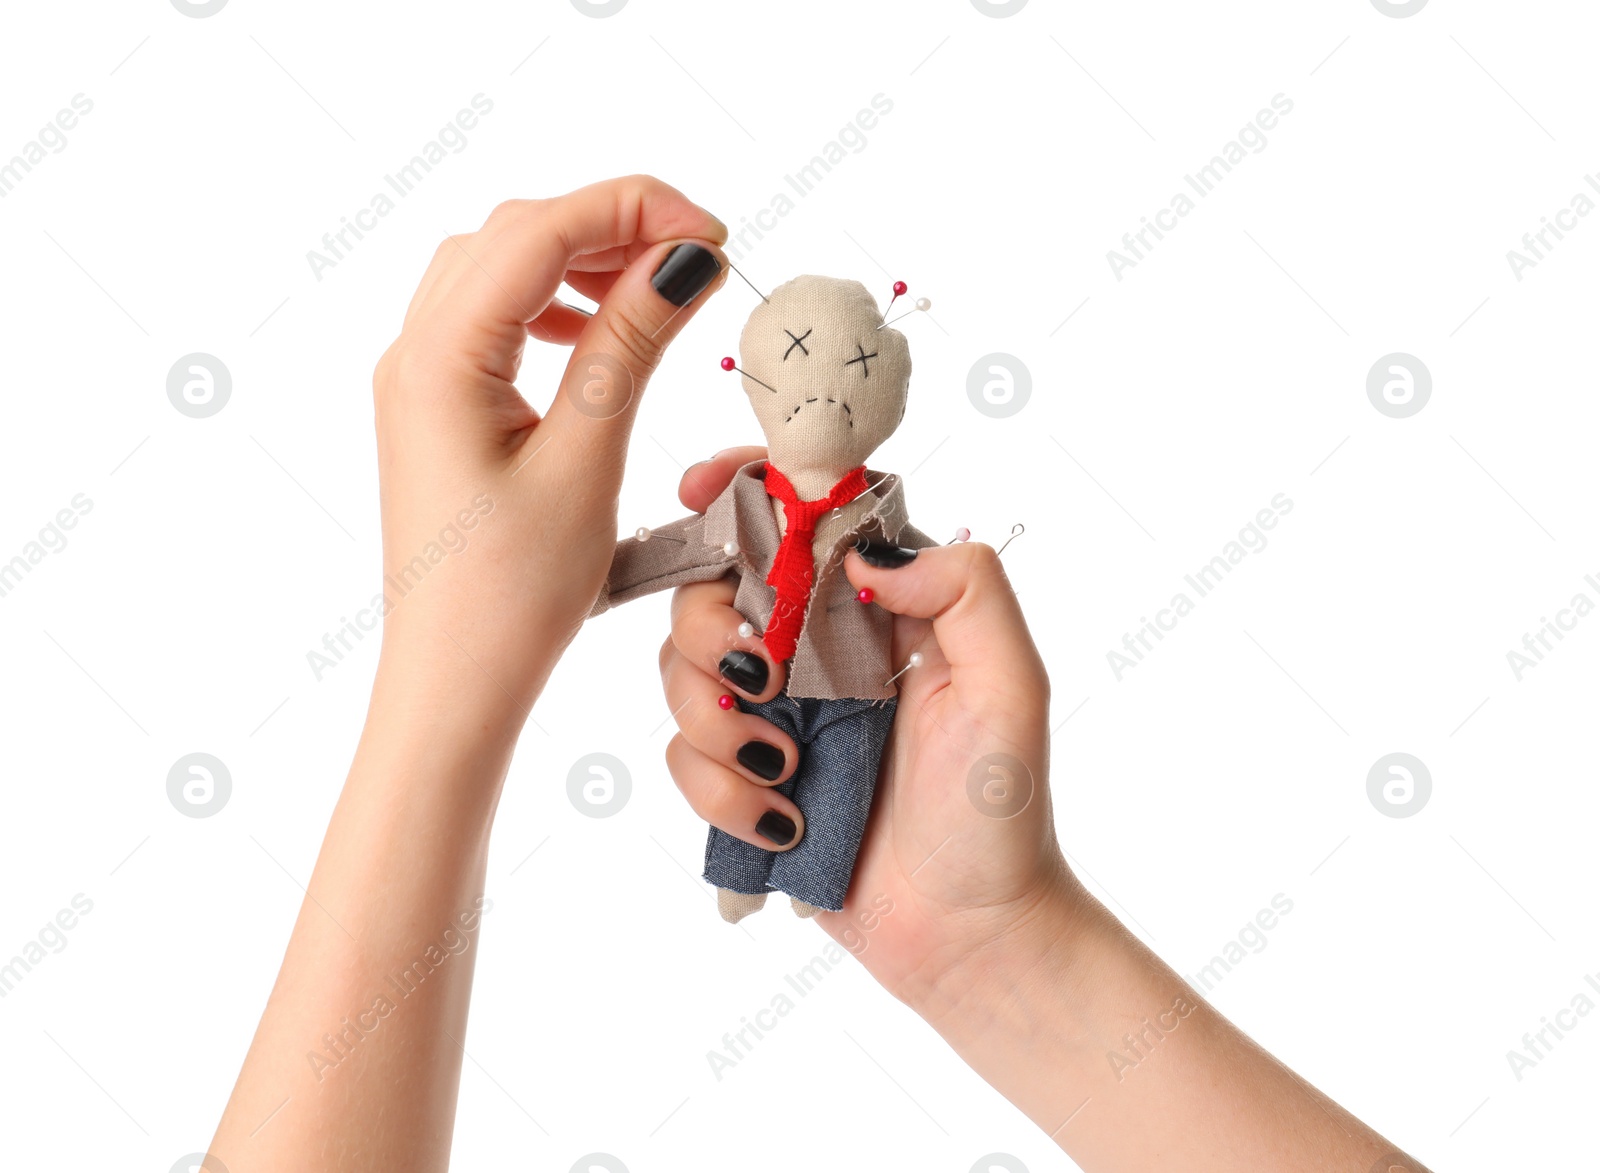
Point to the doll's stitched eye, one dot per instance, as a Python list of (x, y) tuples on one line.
[(800, 342), (861, 357)]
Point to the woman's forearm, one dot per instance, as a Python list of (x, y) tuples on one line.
[(1118, 1059), (359, 1048), (498, 523)]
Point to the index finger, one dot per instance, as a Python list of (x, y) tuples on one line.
[(526, 246)]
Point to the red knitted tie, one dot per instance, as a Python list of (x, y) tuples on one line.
[(792, 568)]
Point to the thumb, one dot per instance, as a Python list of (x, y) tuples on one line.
[(976, 619), (613, 358)]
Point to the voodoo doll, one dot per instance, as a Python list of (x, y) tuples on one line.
[(827, 381)]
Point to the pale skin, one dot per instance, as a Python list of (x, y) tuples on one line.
[(992, 940)]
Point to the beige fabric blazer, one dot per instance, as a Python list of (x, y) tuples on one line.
[(843, 649)]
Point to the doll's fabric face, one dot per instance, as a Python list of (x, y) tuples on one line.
[(836, 383)]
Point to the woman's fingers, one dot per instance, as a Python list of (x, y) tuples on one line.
[(705, 631), (607, 260), (483, 288), (594, 286), (759, 816), (739, 740), (726, 761), (560, 323), (442, 265), (526, 246), (617, 352)]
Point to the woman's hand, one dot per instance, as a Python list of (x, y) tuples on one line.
[(960, 852), (962, 905), (498, 525)]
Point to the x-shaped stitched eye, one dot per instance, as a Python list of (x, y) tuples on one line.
[(861, 357), (800, 342)]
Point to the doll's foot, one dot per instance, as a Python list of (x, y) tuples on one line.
[(735, 906), (801, 908)]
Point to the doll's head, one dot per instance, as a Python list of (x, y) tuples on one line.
[(835, 382)]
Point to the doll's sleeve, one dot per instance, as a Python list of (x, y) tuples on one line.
[(671, 556), (904, 534), (913, 538)]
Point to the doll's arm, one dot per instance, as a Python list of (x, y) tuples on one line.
[(672, 555)]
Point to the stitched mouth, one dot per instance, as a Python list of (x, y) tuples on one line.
[(848, 418)]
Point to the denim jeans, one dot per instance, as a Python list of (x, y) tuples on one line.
[(840, 742)]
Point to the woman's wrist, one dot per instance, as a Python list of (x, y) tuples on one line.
[(463, 670), (1038, 943), (442, 717), (1029, 1008)]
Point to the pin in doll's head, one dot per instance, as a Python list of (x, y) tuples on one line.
[(835, 383)]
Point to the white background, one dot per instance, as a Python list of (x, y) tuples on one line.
[(1228, 366)]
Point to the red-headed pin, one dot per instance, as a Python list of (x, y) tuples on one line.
[(728, 365)]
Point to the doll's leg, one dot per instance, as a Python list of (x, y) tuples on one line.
[(735, 906), (833, 789)]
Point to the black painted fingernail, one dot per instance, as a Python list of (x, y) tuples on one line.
[(776, 827), (578, 308), (883, 555), (760, 757), (744, 670), (687, 270)]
